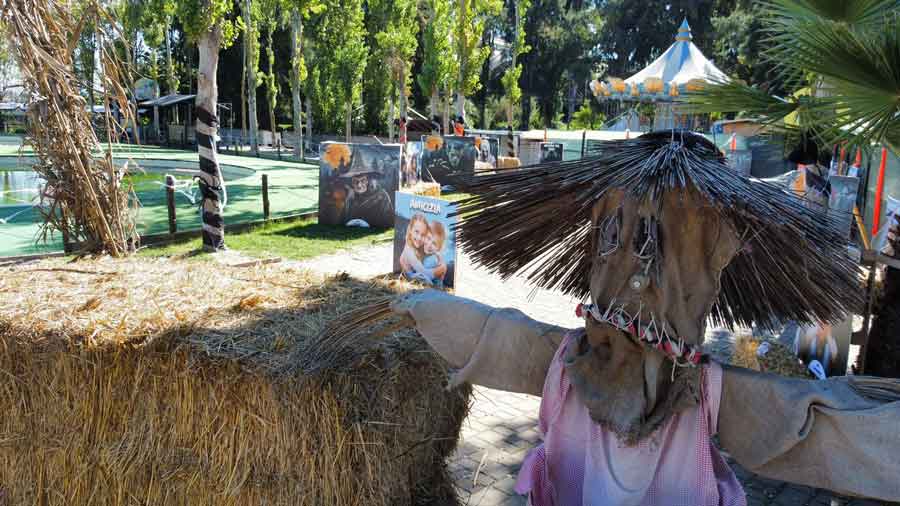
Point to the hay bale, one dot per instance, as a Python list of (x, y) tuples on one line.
[(779, 359), (508, 162), (425, 189), (189, 383)]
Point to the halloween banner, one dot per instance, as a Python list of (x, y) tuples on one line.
[(827, 344), (891, 208), (412, 159), (489, 151), (842, 199), (741, 160), (425, 240), (357, 183), (551, 152), (442, 156)]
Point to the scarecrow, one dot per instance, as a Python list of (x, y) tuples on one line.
[(366, 200), (658, 236)]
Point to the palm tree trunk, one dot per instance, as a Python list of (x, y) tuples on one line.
[(403, 104), (271, 90), (446, 119), (392, 108), (251, 77), (212, 185), (349, 119), (309, 120), (296, 52), (463, 62), (435, 99), (244, 90)]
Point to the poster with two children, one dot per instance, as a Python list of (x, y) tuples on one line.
[(425, 240)]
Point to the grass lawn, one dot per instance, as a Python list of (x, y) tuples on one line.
[(295, 240)]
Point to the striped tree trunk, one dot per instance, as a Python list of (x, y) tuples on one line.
[(296, 54), (212, 185)]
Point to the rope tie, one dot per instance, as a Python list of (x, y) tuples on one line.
[(681, 353)]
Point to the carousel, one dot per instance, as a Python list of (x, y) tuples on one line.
[(681, 68)]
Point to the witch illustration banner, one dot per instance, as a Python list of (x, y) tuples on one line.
[(425, 240), (357, 183), (443, 156)]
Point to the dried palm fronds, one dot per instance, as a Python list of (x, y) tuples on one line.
[(84, 196), (129, 381), (794, 264)]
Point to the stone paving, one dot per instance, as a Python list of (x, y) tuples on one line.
[(502, 426)]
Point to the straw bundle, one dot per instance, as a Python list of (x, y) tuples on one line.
[(132, 382), (83, 197)]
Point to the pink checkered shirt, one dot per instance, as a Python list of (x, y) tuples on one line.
[(579, 463)]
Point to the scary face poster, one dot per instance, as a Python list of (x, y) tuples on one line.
[(442, 156), (425, 240), (411, 161), (357, 183), (551, 152)]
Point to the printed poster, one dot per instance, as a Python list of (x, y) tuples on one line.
[(442, 156), (412, 158), (842, 200), (357, 184), (551, 152), (828, 344), (425, 240)]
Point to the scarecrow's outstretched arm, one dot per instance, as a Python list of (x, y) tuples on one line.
[(822, 434), (496, 348)]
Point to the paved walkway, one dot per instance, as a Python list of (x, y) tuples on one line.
[(502, 426)]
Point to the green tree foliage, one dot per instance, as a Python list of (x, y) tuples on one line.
[(739, 41), (589, 117), (396, 43), (561, 40), (510, 79), (471, 17), (847, 52), (337, 58), (439, 67), (272, 16), (376, 76), (637, 31)]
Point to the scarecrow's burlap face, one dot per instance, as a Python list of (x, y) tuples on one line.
[(671, 274), (663, 261)]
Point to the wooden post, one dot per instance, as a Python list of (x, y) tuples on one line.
[(583, 142), (67, 244), (870, 288), (170, 203), (265, 195)]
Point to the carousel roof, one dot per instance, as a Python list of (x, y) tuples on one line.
[(681, 68)]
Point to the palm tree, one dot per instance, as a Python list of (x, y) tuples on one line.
[(848, 53)]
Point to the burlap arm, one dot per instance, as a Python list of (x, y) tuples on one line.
[(818, 433), (496, 348)]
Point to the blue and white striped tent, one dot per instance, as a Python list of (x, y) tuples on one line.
[(680, 69)]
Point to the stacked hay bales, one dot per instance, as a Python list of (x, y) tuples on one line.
[(778, 359), (190, 383), (508, 162), (425, 189)]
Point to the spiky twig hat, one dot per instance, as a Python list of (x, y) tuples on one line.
[(794, 264)]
